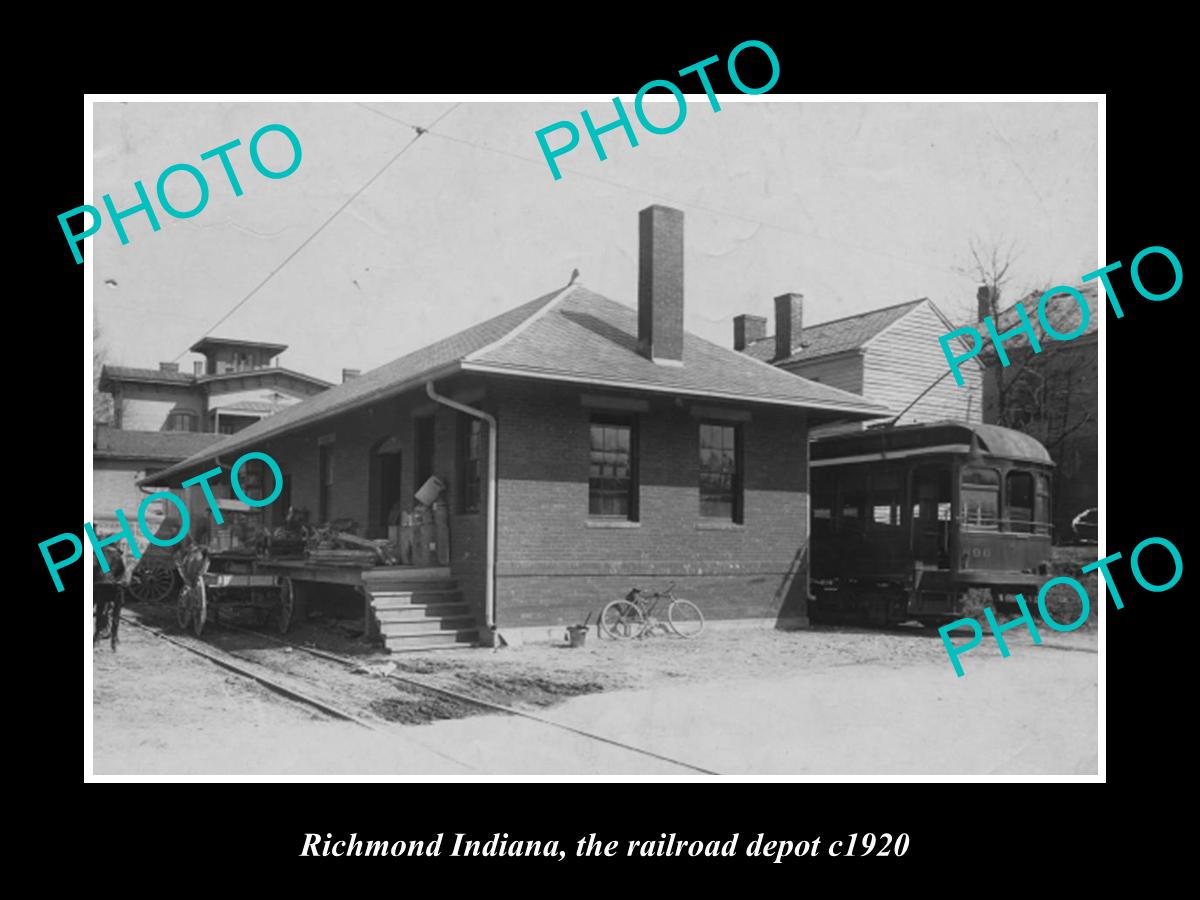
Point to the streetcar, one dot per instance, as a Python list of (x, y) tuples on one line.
[(906, 520)]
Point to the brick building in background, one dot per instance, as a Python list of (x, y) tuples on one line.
[(627, 452), (890, 356), (1052, 395), (161, 416)]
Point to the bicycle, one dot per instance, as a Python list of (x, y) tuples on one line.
[(633, 617)]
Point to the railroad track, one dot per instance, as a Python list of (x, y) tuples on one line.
[(247, 667)]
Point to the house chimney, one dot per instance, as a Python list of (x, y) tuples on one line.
[(660, 284), (983, 298), (198, 367), (168, 367), (789, 320), (350, 374), (748, 329)]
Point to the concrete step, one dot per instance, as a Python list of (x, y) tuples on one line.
[(437, 640), (423, 597), (422, 613), (428, 626)]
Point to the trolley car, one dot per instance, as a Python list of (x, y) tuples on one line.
[(906, 520)]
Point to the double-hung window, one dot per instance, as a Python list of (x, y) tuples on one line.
[(470, 448), (612, 473), (720, 472)]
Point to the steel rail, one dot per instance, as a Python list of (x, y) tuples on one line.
[(467, 698)]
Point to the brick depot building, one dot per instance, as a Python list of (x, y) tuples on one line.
[(626, 452)]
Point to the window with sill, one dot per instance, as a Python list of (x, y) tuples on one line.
[(612, 473), (470, 448), (720, 472)]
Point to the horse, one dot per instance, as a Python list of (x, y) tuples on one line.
[(108, 594)]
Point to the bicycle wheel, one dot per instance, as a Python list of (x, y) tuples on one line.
[(685, 617), (621, 619)]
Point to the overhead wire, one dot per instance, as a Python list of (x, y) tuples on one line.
[(419, 131), (687, 204)]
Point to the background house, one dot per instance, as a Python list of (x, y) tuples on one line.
[(628, 452), (161, 416), (122, 458), (890, 356), (1051, 395)]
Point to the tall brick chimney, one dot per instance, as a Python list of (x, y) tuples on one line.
[(748, 329), (789, 322), (983, 298), (660, 284)]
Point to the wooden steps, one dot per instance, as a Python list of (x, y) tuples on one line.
[(421, 610)]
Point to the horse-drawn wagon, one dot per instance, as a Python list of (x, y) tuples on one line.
[(220, 567)]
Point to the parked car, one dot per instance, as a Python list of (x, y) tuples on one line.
[(1086, 525)]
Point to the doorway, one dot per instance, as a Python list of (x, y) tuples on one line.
[(385, 491), (932, 506)]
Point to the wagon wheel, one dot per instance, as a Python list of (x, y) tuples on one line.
[(199, 607), (151, 583), (183, 606), (287, 605)]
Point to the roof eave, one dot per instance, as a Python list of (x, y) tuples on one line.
[(160, 479), (864, 412)]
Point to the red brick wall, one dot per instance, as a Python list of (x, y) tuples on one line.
[(553, 567)]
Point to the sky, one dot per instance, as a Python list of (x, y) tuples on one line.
[(854, 205)]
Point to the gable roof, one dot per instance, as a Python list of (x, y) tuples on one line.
[(1062, 313), (836, 335), (572, 335), (164, 446)]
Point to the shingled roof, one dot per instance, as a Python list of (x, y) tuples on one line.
[(128, 373), (1062, 313), (164, 446), (573, 335), (834, 336)]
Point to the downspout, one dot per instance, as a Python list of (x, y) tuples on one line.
[(489, 602)]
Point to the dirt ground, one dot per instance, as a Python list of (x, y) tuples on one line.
[(158, 709)]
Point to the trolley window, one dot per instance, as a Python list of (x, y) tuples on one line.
[(887, 499), (1018, 501), (852, 500), (980, 498), (822, 505), (1041, 504)]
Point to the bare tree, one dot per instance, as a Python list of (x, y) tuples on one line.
[(104, 410), (989, 266)]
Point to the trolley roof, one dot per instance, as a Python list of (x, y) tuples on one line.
[(928, 438)]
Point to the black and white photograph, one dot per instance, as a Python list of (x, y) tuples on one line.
[(448, 437)]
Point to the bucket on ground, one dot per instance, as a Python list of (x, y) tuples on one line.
[(576, 635)]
